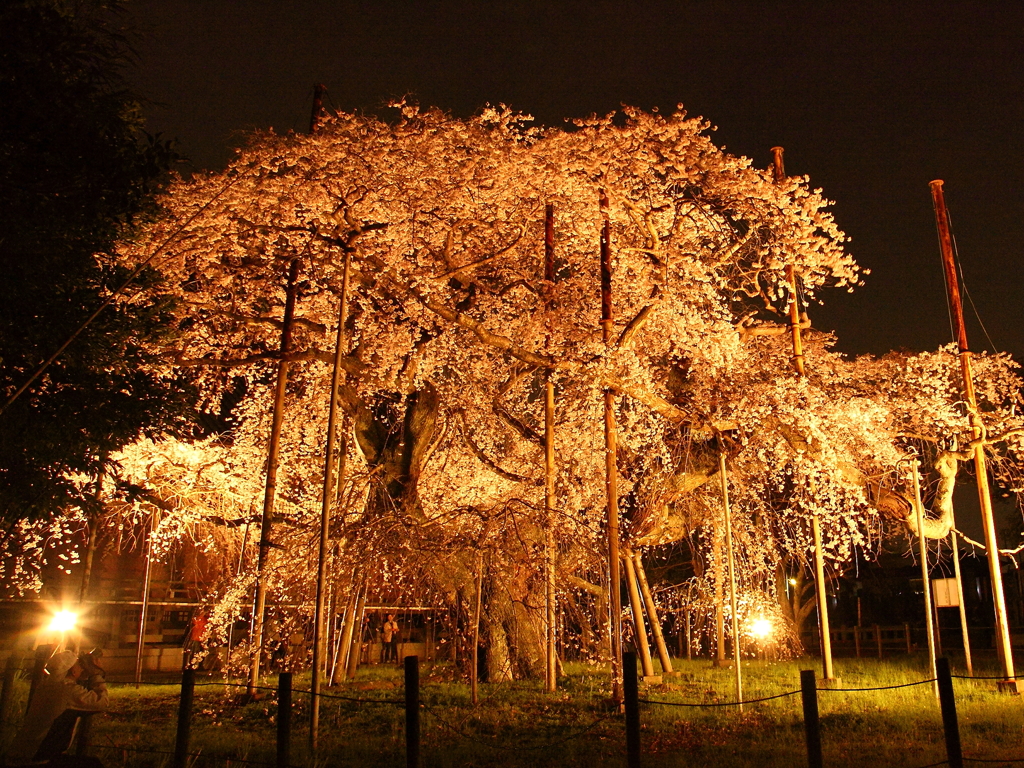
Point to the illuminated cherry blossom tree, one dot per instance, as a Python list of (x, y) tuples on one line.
[(452, 329)]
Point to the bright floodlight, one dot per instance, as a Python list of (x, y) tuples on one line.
[(761, 628), (63, 621)]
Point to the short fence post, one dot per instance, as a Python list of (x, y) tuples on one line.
[(83, 735), (812, 726), (412, 711), (950, 725), (188, 687), (7, 692), (42, 656), (632, 696), (284, 719)]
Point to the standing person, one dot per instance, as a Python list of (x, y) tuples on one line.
[(59, 700), (390, 648)]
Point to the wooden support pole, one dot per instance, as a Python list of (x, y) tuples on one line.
[(955, 547), (733, 603), (284, 719), (412, 711), (610, 454), (812, 725), (347, 630), (270, 490), (356, 648), (925, 580), (638, 620), (1003, 644), (632, 706), (652, 614), (950, 724), (474, 656), (779, 174), (327, 496), (822, 595), (140, 642), (550, 548), (184, 728), (719, 570)]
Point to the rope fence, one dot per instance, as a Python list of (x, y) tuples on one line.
[(182, 756)]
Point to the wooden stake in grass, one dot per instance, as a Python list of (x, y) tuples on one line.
[(412, 711), (812, 726), (950, 724), (181, 736)]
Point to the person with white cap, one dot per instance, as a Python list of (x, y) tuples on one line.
[(59, 699)]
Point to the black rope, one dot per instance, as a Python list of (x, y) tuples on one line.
[(993, 760), (719, 704), (878, 688), (976, 677)]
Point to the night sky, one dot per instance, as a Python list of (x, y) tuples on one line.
[(871, 100)]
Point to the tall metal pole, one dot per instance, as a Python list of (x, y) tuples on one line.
[(550, 553), (981, 470), (779, 174), (723, 476), (319, 619), (925, 580), (610, 451), (270, 493)]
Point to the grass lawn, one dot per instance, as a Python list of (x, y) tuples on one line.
[(517, 724)]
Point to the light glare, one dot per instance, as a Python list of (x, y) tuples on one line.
[(761, 628), (63, 621)]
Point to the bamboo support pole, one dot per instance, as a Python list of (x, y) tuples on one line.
[(732, 577), (270, 491), (356, 648), (977, 429), (652, 614), (925, 580), (646, 664), (610, 453), (345, 636), (319, 622)]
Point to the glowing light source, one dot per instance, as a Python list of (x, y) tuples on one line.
[(761, 628), (63, 621), (792, 582)]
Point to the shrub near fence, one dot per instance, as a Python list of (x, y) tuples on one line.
[(631, 717)]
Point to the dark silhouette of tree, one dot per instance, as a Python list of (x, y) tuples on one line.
[(77, 174)]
